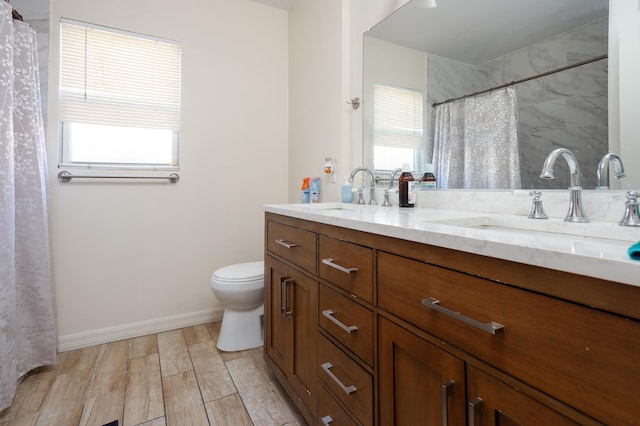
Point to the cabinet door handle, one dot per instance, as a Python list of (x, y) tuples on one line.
[(347, 389), (326, 420), (329, 262), (490, 327), (475, 408), (447, 391), (328, 313), (286, 243), (284, 295)]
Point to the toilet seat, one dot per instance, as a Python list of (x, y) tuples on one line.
[(240, 273)]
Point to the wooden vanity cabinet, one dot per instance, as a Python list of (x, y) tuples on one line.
[(346, 325), (494, 403), (392, 332), (581, 356), (291, 320), (420, 384)]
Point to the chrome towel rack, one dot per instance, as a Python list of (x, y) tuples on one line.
[(65, 176)]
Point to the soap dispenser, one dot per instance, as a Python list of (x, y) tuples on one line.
[(347, 191)]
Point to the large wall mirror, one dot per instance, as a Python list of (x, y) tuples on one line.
[(419, 59)]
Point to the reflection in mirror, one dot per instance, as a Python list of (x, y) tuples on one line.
[(494, 139)]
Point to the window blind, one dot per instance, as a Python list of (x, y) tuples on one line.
[(112, 77), (397, 117)]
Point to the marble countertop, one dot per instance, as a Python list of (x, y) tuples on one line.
[(604, 258)]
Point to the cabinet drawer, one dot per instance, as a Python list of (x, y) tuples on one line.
[(349, 382), (348, 322), (294, 244), (330, 413), (585, 357), (348, 266)]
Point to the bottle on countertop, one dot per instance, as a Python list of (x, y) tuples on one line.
[(315, 190), (347, 191), (406, 187), (304, 196), (428, 180)]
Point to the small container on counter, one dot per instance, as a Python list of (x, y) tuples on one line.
[(428, 180), (406, 187)]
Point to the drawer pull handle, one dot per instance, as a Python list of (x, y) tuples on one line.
[(347, 389), (329, 262), (447, 391), (326, 420), (475, 408), (328, 313), (286, 244), (490, 327)]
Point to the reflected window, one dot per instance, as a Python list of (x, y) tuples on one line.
[(398, 127)]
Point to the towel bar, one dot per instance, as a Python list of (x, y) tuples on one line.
[(65, 176)]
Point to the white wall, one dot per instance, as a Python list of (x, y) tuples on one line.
[(624, 61), (316, 126), (325, 53), (131, 253)]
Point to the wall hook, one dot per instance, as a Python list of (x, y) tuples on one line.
[(355, 103)]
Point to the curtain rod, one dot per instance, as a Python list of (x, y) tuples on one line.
[(544, 74)]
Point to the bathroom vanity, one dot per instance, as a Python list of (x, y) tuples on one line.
[(381, 316)]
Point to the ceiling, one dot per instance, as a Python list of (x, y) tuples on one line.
[(496, 27)]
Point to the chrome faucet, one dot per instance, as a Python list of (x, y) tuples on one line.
[(603, 170), (393, 176), (372, 180), (576, 212), (386, 202)]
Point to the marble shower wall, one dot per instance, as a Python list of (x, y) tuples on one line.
[(567, 109)]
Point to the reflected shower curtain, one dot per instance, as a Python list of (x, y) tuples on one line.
[(476, 142), (27, 326)]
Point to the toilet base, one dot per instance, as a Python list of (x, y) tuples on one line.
[(241, 329)]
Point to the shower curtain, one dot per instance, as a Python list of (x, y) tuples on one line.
[(27, 320), (476, 142)]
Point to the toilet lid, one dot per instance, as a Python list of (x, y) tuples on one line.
[(249, 271)]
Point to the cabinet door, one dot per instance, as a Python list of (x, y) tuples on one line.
[(493, 403), (276, 274), (302, 309), (420, 384)]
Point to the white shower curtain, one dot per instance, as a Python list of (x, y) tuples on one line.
[(27, 320), (476, 142)]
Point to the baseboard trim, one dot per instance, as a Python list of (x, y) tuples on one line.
[(137, 329)]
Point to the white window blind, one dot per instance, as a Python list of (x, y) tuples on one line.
[(397, 117), (122, 80)]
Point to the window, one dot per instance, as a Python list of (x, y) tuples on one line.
[(119, 99), (397, 127)]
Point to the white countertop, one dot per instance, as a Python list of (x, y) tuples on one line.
[(596, 257)]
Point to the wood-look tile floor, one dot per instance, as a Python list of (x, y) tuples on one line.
[(172, 378)]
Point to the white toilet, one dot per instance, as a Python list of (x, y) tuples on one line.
[(240, 288)]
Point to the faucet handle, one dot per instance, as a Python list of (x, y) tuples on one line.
[(537, 211), (386, 202), (632, 210), (361, 197)]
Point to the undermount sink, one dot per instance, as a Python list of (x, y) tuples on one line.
[(596, 231)]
